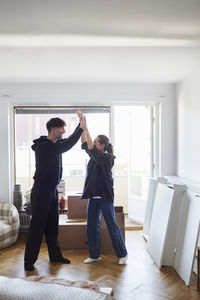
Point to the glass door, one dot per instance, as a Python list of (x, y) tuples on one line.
[(141, 159), (134, 146)]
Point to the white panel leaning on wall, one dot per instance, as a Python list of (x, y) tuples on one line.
[(188, 236), (165, 223), (174, 228), (153, 184)]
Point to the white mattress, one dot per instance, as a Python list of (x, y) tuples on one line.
[(20, 289)]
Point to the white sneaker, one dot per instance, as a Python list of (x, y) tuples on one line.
[(123, 260), (91, 260)]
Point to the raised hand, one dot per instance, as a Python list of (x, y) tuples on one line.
[(80, 114), (83, 122)]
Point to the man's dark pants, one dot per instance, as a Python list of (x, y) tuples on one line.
[(44, 221)]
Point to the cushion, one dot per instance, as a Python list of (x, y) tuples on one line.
[(9, 224), (5, 234)]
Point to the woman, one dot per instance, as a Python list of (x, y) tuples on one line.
[(99, 189)]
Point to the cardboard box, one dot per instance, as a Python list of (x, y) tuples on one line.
[(72, 235), (77, 207)]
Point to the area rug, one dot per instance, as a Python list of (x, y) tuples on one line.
[(51, 288)]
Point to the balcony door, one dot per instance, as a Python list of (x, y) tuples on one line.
[(141, 159)]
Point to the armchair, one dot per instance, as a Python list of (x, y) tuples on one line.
[(9, 224)]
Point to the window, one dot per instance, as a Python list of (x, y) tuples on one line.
[(30, 123)]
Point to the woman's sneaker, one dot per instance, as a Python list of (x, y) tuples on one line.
[(91, 260), (123, 260)]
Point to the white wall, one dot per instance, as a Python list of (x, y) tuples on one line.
[(188, 150), (5, 175), (85, 94)]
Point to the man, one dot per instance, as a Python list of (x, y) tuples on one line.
[(44, 195)]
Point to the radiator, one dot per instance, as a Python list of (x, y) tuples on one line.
[(24, 221)]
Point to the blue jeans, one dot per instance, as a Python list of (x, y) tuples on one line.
[(95, 206)]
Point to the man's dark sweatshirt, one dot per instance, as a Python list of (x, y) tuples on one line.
[(99, 181), (48, 156)]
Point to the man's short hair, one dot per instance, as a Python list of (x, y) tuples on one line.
[(55, 122)]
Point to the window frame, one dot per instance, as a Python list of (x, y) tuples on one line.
[(37, 109)]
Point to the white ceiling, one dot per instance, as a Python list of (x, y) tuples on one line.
[(107, 40)]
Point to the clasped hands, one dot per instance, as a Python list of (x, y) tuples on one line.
[(82, 119)]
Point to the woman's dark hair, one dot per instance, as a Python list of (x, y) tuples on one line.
[(103, 139), (55, 122)]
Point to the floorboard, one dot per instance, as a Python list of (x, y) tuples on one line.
[(139, 279)]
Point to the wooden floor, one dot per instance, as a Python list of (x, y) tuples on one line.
[(139, 279)]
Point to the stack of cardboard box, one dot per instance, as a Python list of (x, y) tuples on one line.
[(72, 228)]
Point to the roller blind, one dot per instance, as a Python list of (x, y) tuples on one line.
[(60, 109)]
